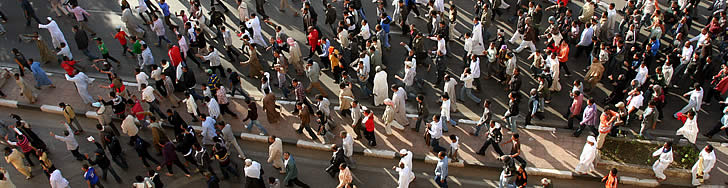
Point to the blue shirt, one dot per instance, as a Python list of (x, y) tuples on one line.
[(90, 176), (441, 169), (165, 8), (385, 24), (655, 46)]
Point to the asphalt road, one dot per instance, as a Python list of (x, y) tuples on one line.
[(370, 172)]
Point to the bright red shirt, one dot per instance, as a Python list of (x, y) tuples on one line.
[(121, 36), (313, 38), (68, 66), (175, 55), (369, 125)]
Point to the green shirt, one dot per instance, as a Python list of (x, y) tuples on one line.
[(136, 47), (102, 48)]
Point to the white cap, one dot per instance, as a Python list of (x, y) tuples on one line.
[(90, 138), (49, 18), (403, 151), (248, 162)]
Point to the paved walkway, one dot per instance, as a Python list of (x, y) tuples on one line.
[(542, 149)]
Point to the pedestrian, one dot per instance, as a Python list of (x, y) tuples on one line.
[(664, 158), (28, 11), (521, 177), (82, 42), (516, 149), (275, 153), (115, 150), (589, 118), (445, 110), (202, 159), (695, 100), (56, 34), (291, 171), (690, 128), (271, 108), (41, 79), (158, 28), (253, 174), (104, 163), (611, 180), (223, 158), (15, 158), (140, 146), (90, 177), (253, 22), (131, 24), (214, 58), (588, 154), (70, 140), (701, 169), (434, 130), (534, 105), (441, 170), (347, 144), (159, 138), (229, 137), (380, 86), (454, 145), (20, 60), (70, 116), (105, 52), (151, 96), (304, 113), (170, 158), (337, 158), (82, 82), (129, 127), (25, 89), (574, 109), (494, 137), (253, 117), (224, 102), (81, 17), (406, 176), (467, 78)]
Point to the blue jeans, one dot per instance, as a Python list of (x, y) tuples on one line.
[(162, 37), (88, 53), (361, 13), (450, 121), (385, 40), (512, 122), (364, 90), (469, 92), (442, 184), (257, 124), (477, 129)]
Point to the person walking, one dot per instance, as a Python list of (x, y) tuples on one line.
[(494, 137), (25, 89), (56, 34), (169, 153), (28, 11), (292, 171), (41, 78), (664, 158), (253, 174), (15, 158), (70, 116), (229, 137), (441, 170), (588, 154), (70, 140), (253, 117), (102, 161), (105, 51), (275, 153), (82, 82), (82, 42), (82, 18), (90, 177)]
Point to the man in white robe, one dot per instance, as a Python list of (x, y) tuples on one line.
[(400, 110), (388, 117), (380, 89), (82, 81), (56, 33), (664, 159), (254, 23), (690, 129), (694, 102), (449, 88), (406, 176), (705, 163), (588, 154), (477, 40)]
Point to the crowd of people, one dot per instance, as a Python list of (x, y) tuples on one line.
[(637, 70)]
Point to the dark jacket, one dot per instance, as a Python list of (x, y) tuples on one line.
[(252, 112), (188, 79)]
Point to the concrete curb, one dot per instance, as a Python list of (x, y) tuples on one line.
[(9, 103), (386, 154), (51, 109)]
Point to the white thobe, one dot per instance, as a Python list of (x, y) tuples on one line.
[(406, 176), (641, 74), (400, 111), (56, 33), (690, 129), (82, 81), (450, 90), (662, 163), (586, 160), (708, 161), (57, 180), (554, 66), (478, 46), (257, 35), (381, 88)]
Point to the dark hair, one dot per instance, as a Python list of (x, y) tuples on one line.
[(516, 135)]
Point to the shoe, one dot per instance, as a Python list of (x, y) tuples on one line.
[(480, 153)]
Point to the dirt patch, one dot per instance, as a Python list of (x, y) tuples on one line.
[(634, 152)]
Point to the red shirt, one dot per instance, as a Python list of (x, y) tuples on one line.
[(136, 109), (121, 36), (313, 38), (68, 66), (175, 55), (369, 125)]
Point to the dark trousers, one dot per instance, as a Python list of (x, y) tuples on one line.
[(27, 157), (236, 87), (581, 49), (420, 120), (126, 48), (77, 154), (566, 67), (712, 93), (297, 182), (582, 127), (31, 15), (309, 130), (219, 69), (538, 115), (179, 164), (97, 184), (106, 171), (145, 156), (413, 8), (225, 109), (120, 160), (229, 168), (109, 57), (154, 107), (190, 56), (370, 137), (716, 129), (487, 144), (435, 145), (441, 182), (232, 53)]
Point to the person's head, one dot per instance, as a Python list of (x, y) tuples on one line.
[(708, 148), (286, 155), (441, 155), (139, 178), (613, 172), (515, 136), (420, 98), (271, 180), (74, 28), (342, 166), (453, 138), (436, 118), (667, 145), (84, 167), (445, 97)]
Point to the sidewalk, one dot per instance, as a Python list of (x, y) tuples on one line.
[(542, 149)]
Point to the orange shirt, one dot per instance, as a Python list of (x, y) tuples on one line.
[(563, 52), (611, 182), (605, 125)]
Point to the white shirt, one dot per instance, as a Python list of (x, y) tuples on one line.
[(687, 54), (467, 80), (208, 129), (227, 38), (158, 27), (407, 160), (348, 145), (57, 180), (213, 108), (365, 33), (157, 74), (445, 109), (253, 171), (148, 94), (586, 37), (455, 145), (65, 51), (635, 102), (441, 45), (147, 57), (213, 57), (435, 129), (142, 78)]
